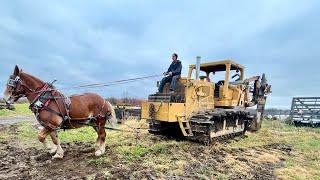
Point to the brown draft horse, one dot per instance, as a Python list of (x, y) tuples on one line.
[(87, 107)]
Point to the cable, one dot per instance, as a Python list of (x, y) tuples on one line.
[(106, 84)]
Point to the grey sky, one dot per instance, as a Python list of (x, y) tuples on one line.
[(97, 41)]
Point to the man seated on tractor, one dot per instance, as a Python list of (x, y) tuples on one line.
[(172, 75)]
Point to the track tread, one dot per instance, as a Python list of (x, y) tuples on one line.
[(203, 122)]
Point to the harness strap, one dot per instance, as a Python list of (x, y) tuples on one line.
[(45, 87), (49, 126), (42, 101), (52, 111)]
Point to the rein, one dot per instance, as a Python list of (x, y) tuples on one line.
[(14, 83)]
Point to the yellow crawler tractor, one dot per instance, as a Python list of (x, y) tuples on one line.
[(205, 107)]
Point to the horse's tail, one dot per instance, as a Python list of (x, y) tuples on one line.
[(112, 119)]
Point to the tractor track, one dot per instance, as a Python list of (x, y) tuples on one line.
[(205, 122)]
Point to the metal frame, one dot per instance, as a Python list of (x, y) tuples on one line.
[(305, 110)]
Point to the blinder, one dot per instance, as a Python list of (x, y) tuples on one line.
[(13, 82)]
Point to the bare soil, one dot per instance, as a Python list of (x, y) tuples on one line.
[(18, 162), (16, 119)]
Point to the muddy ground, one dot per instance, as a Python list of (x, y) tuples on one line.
[(216, 161), (15, 119)]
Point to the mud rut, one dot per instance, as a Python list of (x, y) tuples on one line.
[(34, 163)]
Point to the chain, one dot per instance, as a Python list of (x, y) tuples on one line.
[(136, 131)]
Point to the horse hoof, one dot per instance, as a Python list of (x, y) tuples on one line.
[(98, 153), (53, 150), (57, 156)]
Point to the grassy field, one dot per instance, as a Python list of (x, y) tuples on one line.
[(163, 157), (304, 160), (21, 109)]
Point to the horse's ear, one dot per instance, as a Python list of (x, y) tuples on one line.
[(16, 71)]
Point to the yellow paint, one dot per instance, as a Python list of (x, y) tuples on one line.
[(199, 94)]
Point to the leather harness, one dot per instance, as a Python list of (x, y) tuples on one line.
[(48, 94), (42, 101)]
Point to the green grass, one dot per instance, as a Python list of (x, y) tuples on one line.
[(161, 148), (85, 134), (21, 109), (26, 131), (100, 161), (304, 163), (4, 135), (132, 153)]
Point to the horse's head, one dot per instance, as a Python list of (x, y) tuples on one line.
[(14, 88)]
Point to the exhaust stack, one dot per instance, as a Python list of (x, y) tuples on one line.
[(198, 67)]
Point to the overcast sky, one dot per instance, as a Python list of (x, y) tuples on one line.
[(80, 42)]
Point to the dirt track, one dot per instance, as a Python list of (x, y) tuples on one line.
[(17, 162), (16, 119)]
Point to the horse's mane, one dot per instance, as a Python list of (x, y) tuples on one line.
[(21, 74)]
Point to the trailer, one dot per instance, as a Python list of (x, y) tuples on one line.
[(305, 111), (124, 112)]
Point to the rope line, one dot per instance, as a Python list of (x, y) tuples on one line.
[(135, 130), (110, 83), (106, 84)]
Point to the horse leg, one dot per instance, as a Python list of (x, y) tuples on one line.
[(42, 138), (97, 144), (100, 143), (54, 147), (56, 142)]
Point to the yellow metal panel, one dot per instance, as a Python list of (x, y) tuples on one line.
[(215, 63), (145, 110), (176, 109), (226, 82), (161, 111), (226, 102)]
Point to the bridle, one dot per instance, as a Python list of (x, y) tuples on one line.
[(18, 92)]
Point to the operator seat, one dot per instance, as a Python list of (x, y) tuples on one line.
[(217, 87)]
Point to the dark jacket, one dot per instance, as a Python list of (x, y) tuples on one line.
[(175, 67)]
